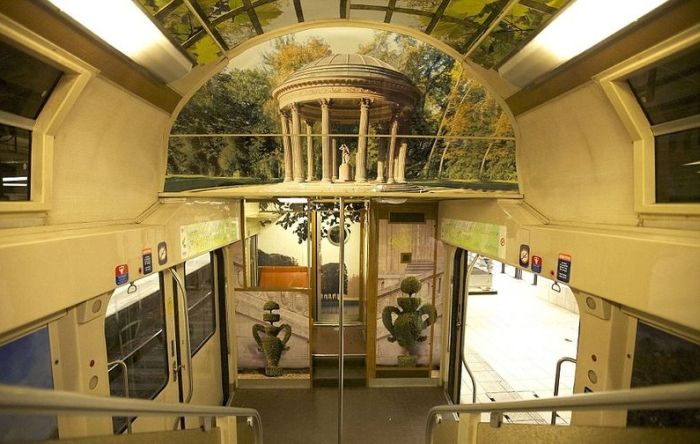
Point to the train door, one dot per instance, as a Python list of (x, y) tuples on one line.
[(458, 296), (198, 328)]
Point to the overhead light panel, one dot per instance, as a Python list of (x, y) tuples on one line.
[(292, 200), (123, 25), (580, 26)]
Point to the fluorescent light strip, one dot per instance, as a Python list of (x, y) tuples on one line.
[(15, 179), (14, 185), (582, 25), (124, 26)]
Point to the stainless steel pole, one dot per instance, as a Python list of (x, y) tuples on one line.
[(341, 327)]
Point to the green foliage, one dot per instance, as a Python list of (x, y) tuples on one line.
[(240, 102), (410, 285), (330, 280), (411, 319), (275, 259)]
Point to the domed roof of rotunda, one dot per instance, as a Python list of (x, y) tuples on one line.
[(344, 79)]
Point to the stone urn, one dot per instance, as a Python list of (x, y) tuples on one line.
[(410, 321), (268, 342)]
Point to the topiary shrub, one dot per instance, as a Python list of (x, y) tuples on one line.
[(272, 346), (411, 319)]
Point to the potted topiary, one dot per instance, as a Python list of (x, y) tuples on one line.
[(270, 344), (410, 321)]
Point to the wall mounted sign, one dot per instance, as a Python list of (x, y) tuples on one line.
[(206, 236), (564, 268), (162, 253), (487, 239), (147, 257), (524, 256), (536, 264), (121, 274)]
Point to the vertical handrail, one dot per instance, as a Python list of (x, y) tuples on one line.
[(190, 383), (557, 376), (341, 327), (464, 325), (125, 375)]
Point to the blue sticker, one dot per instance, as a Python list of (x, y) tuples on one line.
[(147, 261), (524, 256), (564, 268), (536, 264), (121, 274)]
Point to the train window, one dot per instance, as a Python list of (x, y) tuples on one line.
[(199, 282), (135, 334), (15, 160), (27, 361), (669, 94), (26, 84), (662, 358)]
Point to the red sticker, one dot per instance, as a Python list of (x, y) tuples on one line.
[(121, 274)]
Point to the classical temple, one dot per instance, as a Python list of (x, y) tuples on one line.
[(344, 89)]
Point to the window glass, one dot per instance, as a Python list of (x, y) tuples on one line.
[(25, 82), (677, 170), (27, 361), (135, 333), (15, 156), (662, 358), (199, 282), (670, 90)]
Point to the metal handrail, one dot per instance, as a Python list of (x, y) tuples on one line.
[(125, 377), (557, 377), (683, 396), (464, 324), (34, 401), (188, 346)]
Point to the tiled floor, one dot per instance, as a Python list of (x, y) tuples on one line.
[(514, 340)]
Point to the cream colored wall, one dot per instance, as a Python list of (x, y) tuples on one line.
[(46, 271), (653, 271), (108, 162), (575, 160)]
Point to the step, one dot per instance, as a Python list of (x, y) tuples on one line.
[(328, 377)]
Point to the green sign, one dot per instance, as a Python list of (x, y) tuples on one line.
[(206, 236), (487, 239)]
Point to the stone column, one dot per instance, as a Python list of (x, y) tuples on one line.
[(334, 158), (309, 151), (296, 145), (392, 146), (381, 159), (401, 163), (288, 166), (361, 158), (326, 156)]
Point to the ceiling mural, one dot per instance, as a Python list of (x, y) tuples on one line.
[(487, 31), (456, 134)]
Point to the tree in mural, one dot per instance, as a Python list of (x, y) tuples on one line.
[(452, 104)]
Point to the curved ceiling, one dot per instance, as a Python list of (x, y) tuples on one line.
[(488, 32)]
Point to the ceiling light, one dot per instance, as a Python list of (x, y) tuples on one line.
[(124, 26), (582, 25)]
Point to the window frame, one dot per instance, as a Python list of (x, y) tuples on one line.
[(643, 133), (213, 295), (44, 128)]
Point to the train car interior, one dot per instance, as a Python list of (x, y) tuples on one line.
[(351, 221)]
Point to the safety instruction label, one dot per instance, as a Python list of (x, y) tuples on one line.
[(564, 268)]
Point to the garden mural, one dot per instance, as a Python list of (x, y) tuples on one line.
[(457, 133)]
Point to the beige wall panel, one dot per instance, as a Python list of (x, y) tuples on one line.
[(652, 270), (575, 160), (44, 271), (108, 162)]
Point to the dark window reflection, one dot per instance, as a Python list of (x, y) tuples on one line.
[(135, 333), (661, 358), (669, 90), (25, 82), (678, 167), (27, 361), (199, 281), (15, 160)]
